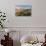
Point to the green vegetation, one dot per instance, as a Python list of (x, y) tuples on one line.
[(24, 12), (2, 18)]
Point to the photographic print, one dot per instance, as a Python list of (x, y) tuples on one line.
[(23, 10)]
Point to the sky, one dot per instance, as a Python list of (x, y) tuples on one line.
[(24, 2)]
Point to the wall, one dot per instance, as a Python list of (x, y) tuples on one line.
[(39, 15), (38, 18)]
